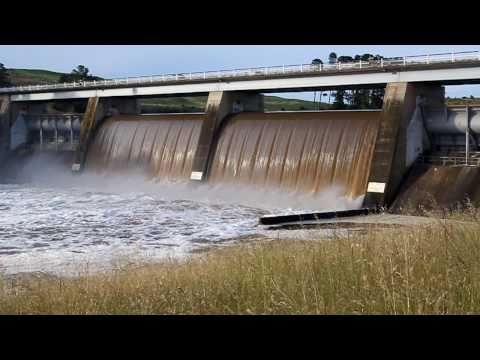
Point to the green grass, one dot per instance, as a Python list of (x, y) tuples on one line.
[(432, 269), (275, 103), (463, 101), (198, 103), (174, 104), (33, 77)]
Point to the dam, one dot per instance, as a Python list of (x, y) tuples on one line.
[(175, 183)]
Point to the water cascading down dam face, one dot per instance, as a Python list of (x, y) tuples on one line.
[(297, 152), (162, 146), (302, 154)]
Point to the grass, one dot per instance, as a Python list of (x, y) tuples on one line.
[(275, 103), (33, 77), (198, 103), (463, 101), (174, 104), (432, 269)]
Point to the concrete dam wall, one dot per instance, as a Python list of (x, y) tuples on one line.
[(383, 154), (415, 150), (305, 152)]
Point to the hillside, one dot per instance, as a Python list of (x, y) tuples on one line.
[(472, 101), (197, 104), (33, 77)]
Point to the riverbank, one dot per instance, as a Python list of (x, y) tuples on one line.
[(431, 269)]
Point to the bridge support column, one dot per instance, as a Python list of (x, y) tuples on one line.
[(8, 114), (88, 121), (97, 110), (390, 163), (5, 108), (220, 104)]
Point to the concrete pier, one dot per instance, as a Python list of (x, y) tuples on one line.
[(97, 110), (392, 154), (5, 106), (220, 104)]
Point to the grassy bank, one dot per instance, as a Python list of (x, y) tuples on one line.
[(198, 103), (424, 270), (33, 77)]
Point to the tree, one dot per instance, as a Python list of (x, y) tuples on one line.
[(4, 78), (317, 63), (339, 101), (332, 58), (81, 73), (345, 59)]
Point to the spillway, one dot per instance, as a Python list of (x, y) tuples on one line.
[(299, 152), (305, 152), (162, 146)]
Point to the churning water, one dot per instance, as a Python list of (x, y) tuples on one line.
[(61, 223), (50, 229)]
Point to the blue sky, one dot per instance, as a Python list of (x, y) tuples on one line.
[(135, 60)]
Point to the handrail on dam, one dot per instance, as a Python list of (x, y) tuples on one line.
[(450, 160), (405, 61)]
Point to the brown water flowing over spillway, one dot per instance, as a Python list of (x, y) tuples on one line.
[(304, 152), (301, 152), (161, 145)]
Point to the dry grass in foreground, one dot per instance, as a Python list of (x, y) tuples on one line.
[(424, 270)]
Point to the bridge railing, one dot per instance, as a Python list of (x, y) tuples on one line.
[(450, 160), (453, 57)]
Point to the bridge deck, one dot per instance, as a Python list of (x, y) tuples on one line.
[(450, 68)]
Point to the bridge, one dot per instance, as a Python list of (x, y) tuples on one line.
[(446, 68), (414, 118)]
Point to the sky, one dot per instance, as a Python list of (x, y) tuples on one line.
[(111, 61)]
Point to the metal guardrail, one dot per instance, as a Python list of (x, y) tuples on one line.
[(450, 160), (406, 61)]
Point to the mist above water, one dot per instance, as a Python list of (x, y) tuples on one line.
[(47, 170), (52, 220)]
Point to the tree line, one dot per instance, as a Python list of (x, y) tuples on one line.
[(80, 73), (355, 98)]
